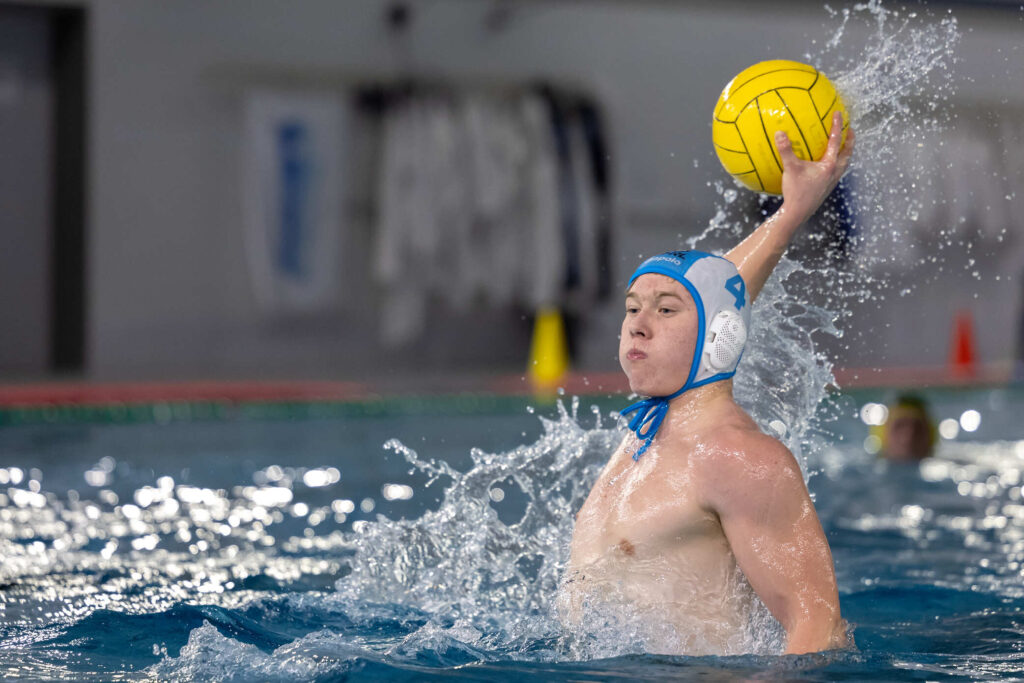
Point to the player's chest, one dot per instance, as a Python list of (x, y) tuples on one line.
[(636, 506)]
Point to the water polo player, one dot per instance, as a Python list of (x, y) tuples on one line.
[(698, 509)]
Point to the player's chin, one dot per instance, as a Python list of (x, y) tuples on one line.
[(641, 384)]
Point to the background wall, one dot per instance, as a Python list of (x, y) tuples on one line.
[(168, 289)]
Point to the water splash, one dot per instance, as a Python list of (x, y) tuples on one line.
[(467, 582), (462, 561), (894, 69), (494, 582), (900, 85)]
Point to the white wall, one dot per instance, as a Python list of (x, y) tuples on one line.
[(168, 286)]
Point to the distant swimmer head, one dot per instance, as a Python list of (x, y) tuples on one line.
[(723, 313), (722, 320), (908, 433)]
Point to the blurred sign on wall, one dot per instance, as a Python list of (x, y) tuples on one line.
[(293, 188)]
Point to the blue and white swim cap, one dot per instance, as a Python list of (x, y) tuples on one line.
[(723, 318)]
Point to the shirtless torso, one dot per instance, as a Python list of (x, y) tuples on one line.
[(714, 511), (646, 536)]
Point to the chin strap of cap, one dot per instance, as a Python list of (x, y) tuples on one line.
[(650, 413)]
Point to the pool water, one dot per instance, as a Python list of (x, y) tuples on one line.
[(247, 549), (406, 545)]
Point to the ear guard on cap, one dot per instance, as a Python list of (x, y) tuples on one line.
[(726, 336)]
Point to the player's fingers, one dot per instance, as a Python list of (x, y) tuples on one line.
[(844, 156), (835, 136), (785, 147), (851, 141)]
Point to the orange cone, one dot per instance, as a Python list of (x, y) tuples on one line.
[(962, 360)]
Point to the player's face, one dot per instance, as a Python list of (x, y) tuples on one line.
[(908, 438), (659, 335)]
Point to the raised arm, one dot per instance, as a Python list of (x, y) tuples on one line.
[(805, 185), (774, 532)]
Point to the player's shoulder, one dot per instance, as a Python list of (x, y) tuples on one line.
[(745, 466), (742, 450)]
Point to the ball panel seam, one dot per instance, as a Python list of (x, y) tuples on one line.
[(828, 113), (746, 148), (768, 138), (799, 128), (731, 93), (746, 180), (775, 71)]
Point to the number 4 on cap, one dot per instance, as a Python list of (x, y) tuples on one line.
[(738, 289)]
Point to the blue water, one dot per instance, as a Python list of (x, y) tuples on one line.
[(422, 543), (928, 557)]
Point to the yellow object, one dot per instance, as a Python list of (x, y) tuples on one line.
[(902, 409), (549, 351), (775, 95)]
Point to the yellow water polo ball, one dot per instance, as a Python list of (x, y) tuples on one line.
[(778, 94)]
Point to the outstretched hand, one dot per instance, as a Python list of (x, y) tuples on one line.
[(806, 184)]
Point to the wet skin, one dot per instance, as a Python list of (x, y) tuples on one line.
[(712, 497)]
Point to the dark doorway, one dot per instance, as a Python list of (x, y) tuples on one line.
[(42, 190)]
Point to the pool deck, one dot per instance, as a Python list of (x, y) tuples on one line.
[(237, 391)]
